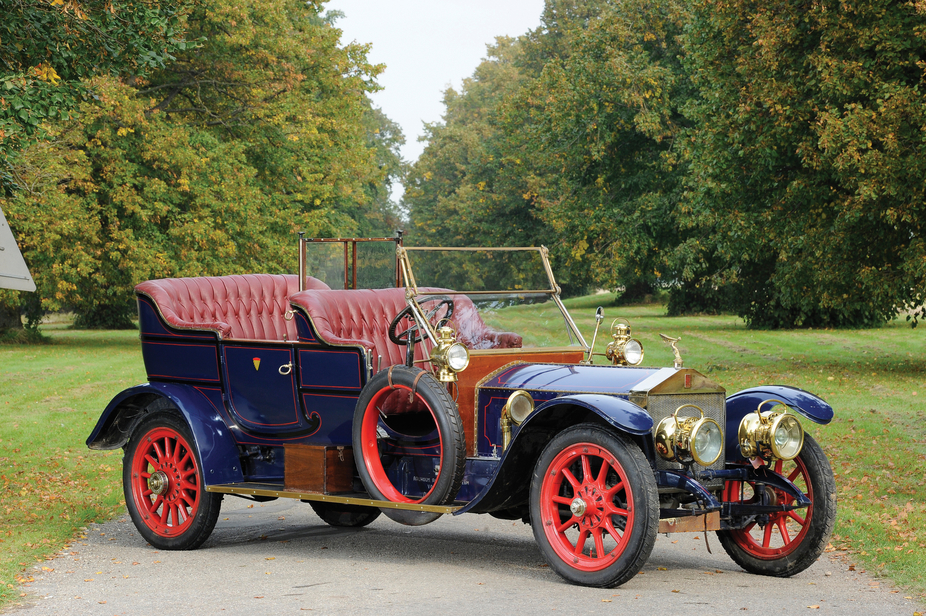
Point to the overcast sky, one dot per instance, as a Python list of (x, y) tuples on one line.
[(428, 46)]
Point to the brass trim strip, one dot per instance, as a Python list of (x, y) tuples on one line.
[(502, 292), (525, 351), (261, 489), (473, 248), (349, 239)]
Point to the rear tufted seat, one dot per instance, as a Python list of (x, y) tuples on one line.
[(248, 307), (362, 317)]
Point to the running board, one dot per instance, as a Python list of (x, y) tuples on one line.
[(272, 490)]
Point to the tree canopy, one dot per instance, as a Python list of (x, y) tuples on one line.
[(47, 47), (808, 156), (767, 159), (564, 136), (208, 165)]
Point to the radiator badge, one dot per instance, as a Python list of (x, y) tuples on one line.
[(257, 363)]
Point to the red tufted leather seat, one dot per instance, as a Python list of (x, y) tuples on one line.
[(362, 317), (249, 306)]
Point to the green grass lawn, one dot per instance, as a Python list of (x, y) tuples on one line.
[(51, 396), (51, 485)]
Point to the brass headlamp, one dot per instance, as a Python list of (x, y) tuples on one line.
[(770, 434), (449, 356), (517, 408), (689, 439), (623, 350)]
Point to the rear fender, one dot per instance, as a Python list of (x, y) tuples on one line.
[(218, 453), (510, 485)]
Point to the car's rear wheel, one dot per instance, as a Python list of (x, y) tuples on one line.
[(594, 506), (408, 442), (783, 544), (351, 516), (163, 484)]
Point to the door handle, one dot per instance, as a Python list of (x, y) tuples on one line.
[(285, 369)]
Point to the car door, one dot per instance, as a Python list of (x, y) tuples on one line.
[(261, 388)]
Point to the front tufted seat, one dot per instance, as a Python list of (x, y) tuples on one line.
[(362, 317), (248, 307)]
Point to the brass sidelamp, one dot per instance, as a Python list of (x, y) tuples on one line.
[(689, 439), (770, 434), (623, 350)]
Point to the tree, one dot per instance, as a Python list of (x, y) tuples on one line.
[(565, 137), (48, 47), (208, 166), (600, 126), (808, 157)]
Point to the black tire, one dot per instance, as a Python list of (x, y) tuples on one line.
[(785, 554), (163, 484), (616, 533), (349, 516), (430, 421)]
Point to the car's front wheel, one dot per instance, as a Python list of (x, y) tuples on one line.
[(782, 544), (594, 506), (163, 484)]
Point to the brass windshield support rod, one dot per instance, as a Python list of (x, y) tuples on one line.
[(302, 260)]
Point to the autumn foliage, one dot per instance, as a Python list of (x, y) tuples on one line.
[(206, 166), (766, 159)]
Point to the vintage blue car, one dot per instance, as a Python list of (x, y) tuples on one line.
[(450, 397)]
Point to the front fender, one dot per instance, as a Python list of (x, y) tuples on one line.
[(747, 401), (619, 412), (805, 403), (216, 448), (510, 485)]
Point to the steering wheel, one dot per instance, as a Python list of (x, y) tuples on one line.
[(411, 334)]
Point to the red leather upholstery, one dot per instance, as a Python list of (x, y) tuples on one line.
[(249, 306), (356, 317), (362, 317)]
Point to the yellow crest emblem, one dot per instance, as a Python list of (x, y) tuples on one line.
[(257, 363)]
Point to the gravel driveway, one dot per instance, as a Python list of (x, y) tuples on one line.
[(278, 557)]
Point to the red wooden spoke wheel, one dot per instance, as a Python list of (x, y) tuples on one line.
[(784, 543), (163, 483), (594, 507), (785, 530), (588, 508)]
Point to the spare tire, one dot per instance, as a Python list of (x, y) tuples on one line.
[(408, 442)]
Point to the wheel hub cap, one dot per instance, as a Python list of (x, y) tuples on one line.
[(577, 507), (591, 510), (157, 482)]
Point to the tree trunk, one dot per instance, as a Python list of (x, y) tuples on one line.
[(9, 318)]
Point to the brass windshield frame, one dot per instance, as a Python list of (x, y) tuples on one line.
[(412, 291)]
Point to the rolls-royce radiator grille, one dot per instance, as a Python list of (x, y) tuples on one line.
[(713, 405)]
